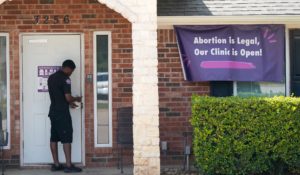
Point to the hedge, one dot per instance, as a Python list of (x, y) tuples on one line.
[(235, 135)]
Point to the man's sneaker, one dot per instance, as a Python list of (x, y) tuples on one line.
[(57, 168), (72, 169)]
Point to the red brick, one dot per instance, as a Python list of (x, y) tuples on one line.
[(21, 22), (174, 98)]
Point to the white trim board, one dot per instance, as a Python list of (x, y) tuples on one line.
[(83, 143), (167, 22), (287, 63)]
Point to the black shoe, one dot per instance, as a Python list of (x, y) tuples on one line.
[(72, 169), (57, 168)]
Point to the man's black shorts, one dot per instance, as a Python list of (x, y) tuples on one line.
[(61, 129)]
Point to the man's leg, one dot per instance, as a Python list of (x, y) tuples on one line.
[(69, 168), (53, 146), (67, 150), (54, 139), (67, 138)]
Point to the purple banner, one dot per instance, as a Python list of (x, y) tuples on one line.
[(232, 52)]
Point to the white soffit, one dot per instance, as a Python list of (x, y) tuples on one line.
[(167, 22)]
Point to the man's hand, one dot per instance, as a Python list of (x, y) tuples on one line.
[(73, 105), (78, 99), (70, 99)]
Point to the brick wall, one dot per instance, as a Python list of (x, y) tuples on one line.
[(174, 98), (86, 16)]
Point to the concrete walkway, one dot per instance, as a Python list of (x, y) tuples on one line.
[(86, 171)]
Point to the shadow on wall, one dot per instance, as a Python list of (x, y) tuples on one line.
[(182, 8)]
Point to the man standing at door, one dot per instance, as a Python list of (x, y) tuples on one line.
[(59, 85)]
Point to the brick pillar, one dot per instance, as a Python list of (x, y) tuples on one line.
[(143, 16)]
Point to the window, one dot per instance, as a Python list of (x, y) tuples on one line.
[(4, 83), (102, 89), (261, 89), (221, 88), (247, 89)]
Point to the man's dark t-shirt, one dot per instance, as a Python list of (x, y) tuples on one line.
[(59, 84)]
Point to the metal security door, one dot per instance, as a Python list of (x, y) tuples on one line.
[(38, 52)]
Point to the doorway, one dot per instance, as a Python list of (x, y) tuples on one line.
[(42, 55)]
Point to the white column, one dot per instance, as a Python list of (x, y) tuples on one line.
[(145, 99)]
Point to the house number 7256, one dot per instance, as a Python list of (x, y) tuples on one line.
[(38, 19)]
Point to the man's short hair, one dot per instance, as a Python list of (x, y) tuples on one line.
[(69, 64)]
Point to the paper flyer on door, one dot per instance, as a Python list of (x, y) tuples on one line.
[(43, 74)]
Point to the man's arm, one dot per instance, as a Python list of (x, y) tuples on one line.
[(67, 91), (70, 99)]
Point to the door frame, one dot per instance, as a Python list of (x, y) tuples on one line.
[(83, 162)]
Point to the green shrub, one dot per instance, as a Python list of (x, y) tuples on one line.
[(236, 135)]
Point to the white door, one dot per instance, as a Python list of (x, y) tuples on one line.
[(47, 50)]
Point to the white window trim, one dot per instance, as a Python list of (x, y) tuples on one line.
[(287, 62), (109, 89), (234, 88), (8, 88)]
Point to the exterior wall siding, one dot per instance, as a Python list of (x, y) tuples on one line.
[(174, 99), (227, 7), (86, 16)]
